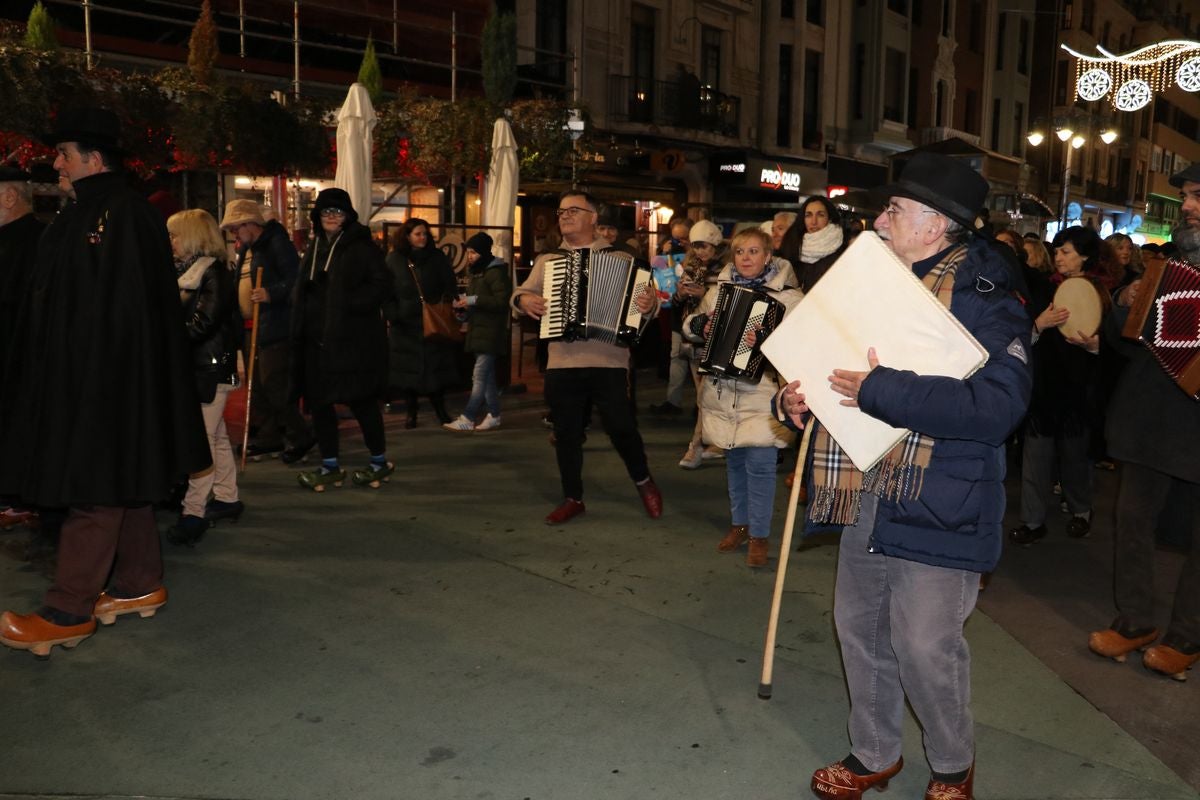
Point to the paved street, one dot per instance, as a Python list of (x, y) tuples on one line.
[(435, 639)]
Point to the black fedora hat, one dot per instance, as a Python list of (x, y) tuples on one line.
[(947, 184), (11, 173), (87, 125), (1191, 173)]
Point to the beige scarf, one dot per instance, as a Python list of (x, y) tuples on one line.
[(898, 476)]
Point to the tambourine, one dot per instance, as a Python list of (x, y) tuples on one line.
[(1087, 304)]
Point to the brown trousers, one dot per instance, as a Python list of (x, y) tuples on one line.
[(97, 540)]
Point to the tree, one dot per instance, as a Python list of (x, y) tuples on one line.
[(202, 47), (39, 31), (500, 58), (369, 74)]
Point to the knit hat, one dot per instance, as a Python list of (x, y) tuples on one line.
[(481, 243), (706, 231), (238, 212)]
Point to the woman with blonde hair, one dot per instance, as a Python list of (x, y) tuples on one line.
[(208, 292), (1037, 256)]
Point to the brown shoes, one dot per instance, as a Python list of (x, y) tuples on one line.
[(108, 608), (651, 498), (737, 536), (37, 634), (838, 781), (568, 510), (936, 790), (1172, 657), (1119, 641), (756, 556)]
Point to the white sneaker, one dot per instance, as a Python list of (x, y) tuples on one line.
[(711, 452), (460, 424), (489, 423), (692, 459)]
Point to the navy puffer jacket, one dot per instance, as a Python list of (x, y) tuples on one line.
[(957, 520)]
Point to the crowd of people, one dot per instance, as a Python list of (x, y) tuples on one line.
[(147, 317)]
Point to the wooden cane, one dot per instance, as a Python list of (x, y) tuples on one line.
[(785, 547), (250, 369)]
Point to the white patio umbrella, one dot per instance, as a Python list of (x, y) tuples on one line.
[(500, 191), (356, 119)]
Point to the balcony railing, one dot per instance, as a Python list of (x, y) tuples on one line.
[(633, 99)]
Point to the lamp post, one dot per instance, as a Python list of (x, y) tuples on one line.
[(1072, 141)]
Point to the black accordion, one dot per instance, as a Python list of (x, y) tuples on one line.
[(739, 310), (592, 295)]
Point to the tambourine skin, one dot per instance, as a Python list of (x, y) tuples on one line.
[(1087, 303)]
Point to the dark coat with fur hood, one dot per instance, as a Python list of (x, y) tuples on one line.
[(339, 340), (100, 407)]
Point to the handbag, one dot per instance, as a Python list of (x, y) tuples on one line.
[(438, 323)]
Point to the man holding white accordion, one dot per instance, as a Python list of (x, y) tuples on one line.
[(920, 526), (1154, 431), (585, 371)]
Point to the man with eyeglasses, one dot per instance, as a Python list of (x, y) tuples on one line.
[(920, 527), (264, 244), (580, 373)]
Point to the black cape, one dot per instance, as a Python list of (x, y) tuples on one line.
[(100, 406), (18, 253)]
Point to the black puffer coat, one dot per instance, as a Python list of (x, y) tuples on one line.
[(418, 365), (339, 341), (208, 291)]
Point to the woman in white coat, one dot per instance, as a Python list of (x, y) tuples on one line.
[(736, 414)]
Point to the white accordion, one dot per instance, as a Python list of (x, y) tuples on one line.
[(592, 295)]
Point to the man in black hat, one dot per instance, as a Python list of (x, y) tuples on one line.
[(1154, 431), (19, 234), (102, 324), (920, 527)]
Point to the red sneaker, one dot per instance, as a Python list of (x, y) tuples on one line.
[(568, 510)]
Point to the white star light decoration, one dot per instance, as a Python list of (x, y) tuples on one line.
[(1139, 75)]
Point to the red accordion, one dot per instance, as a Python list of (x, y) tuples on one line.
[(1166, 318)]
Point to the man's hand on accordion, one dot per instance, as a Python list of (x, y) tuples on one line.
[(848, 382), (533, 305), (792, 401)]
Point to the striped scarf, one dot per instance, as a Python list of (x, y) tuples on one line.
[(899, 474)]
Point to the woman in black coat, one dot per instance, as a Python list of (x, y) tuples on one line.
[(815, 240), (208, 292), (339, 344), (419, 366)]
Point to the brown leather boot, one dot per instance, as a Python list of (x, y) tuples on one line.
[(737, 536), (756, 556)]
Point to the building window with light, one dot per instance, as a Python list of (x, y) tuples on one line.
[(710, 57)]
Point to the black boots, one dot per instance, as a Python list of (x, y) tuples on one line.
[(438, 401)]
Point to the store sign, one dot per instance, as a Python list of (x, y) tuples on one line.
[(832, 191), (779, 179), (758, 173)]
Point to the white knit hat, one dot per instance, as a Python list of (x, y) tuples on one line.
[(706, 231)]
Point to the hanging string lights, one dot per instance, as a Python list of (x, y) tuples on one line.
[(1131, 80)]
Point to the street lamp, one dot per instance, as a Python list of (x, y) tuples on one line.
[(1072, 140)]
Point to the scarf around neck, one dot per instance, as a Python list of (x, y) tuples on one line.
[(759, 281), (815, 246), (899, 474)]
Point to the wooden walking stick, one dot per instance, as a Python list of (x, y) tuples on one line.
[(785, 547), (250, 369)]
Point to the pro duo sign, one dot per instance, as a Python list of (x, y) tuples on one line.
[(779, 179), (758, 173)]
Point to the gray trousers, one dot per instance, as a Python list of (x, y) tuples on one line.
[(1038, 474), (900, 625)]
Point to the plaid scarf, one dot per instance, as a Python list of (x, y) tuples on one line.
[(900, 473)]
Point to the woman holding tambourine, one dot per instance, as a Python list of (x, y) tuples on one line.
[(1066, 403)]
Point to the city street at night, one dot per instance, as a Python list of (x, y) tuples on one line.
[(435, 639)]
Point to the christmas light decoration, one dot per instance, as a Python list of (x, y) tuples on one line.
[(1139, 75)]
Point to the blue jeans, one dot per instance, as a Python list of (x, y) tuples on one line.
[(483, 387), (750, 472), (900, 624)]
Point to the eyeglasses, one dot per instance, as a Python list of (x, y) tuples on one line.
[(571, 211), (891, 209), (332, 212)]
